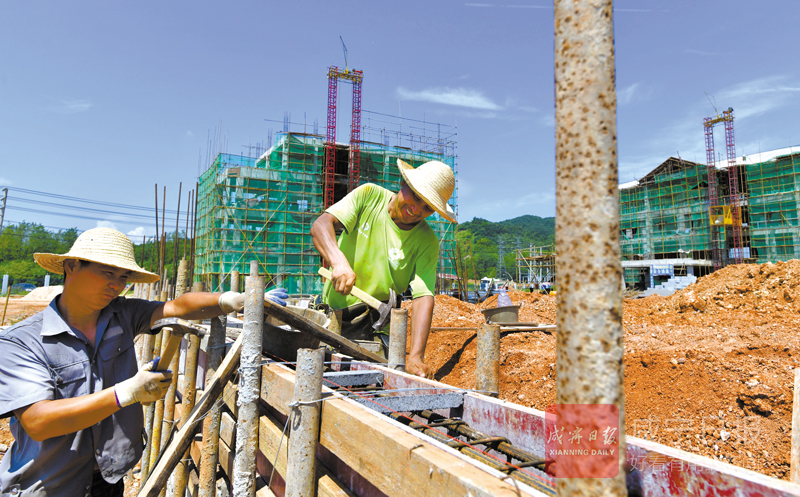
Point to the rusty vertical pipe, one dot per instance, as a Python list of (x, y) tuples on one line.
[(304, 418), (487, 361), (181, 284), (158, 410), (589, 336), (174, 366), (211, 423), (189, 395), (234, 288), (244, 469), (150, 414), (398, 332)]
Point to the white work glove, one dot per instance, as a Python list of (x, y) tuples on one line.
[(145, 387), (231, 301), (277, 295)]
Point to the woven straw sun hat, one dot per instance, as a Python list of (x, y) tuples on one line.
[(102, 245), (434, 182)]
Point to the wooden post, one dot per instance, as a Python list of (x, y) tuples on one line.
[(305, 418), (244, 473), (189, 392), (794, 471), (487, 364), (398, 333), (211, 423)]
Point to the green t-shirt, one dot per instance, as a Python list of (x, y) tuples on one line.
[(382, 255)]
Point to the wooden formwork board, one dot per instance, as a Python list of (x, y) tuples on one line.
[(377, 455), (657, 469)]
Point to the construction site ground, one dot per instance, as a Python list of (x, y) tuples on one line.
[(708, 370)]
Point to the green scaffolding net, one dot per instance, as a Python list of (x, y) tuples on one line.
[(262, 209)]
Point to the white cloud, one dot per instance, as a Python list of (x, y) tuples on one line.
[(5, 181), (460, 97), (75, 106), (190, 134), (774, 95), (137, 233), (625, 96), (549, 120), (106, 224)]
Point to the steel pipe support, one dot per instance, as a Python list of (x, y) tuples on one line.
[(305, 420), (398, 333), (589, 334), (244, 470), (487, 362)]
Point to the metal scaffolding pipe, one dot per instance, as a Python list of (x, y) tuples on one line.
[(398, 333), (234, 288), (589, 333), (210, 451), (189, 392), (304, 418), (487, 362), (244, 469)]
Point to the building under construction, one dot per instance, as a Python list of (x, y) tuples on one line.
[(669, 227), (262, 208)]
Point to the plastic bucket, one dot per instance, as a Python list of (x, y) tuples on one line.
[(504, 314)]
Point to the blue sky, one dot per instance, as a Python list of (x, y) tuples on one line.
[(101, 100)]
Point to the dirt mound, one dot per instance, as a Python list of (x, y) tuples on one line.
[(708, 370), (44, 293)]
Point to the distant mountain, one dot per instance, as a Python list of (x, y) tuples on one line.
[(483, 237)]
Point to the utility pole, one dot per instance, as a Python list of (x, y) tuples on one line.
[(3, 211)]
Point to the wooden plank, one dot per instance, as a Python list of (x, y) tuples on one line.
[(305, 325), (229, 396), (270, 436), (227, 429), (172, 454), (369, 448)]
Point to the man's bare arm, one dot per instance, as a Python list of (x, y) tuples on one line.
[(323, 232), (54, 418), (421, 316), (193, 305)]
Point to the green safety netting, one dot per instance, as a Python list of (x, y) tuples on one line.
[(263, 209)]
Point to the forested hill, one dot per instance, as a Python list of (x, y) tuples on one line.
[(530, 229), (483, 236)]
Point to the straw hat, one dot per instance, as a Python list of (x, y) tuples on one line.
[(434, 182), (102, 245)]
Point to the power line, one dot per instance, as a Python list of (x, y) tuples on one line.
[(85, 200)]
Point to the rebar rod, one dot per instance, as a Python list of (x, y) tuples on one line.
[(527, 478), (589, 333), (244, 469), (463, 429)]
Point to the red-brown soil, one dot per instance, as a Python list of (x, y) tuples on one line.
[(708, 370)]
